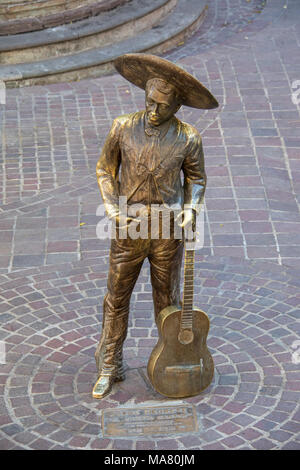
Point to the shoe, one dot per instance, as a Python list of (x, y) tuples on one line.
[(120, 374), (103, 385)]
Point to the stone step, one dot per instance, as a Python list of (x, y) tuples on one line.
[(112, 26), (183, 20), (64, 12), (12, 9)]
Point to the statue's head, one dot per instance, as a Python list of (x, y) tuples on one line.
[(167, 86), (162, 101)]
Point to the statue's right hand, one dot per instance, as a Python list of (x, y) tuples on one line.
[(123, 221)]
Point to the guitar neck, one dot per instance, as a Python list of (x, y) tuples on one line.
[(188, 290)]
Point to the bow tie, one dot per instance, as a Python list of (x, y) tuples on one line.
[(151, 131)]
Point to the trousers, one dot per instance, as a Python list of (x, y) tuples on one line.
[(126, 259)]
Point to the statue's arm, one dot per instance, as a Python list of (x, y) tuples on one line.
[(194, 181), (194, 174), (107, 170)]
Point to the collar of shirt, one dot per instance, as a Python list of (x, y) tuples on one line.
[(159, 131), (150, 131)]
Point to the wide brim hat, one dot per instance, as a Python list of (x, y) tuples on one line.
[(139, 68)]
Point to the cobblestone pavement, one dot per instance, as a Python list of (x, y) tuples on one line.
[(53, 268)]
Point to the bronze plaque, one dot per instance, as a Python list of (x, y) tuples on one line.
[(150, 420)]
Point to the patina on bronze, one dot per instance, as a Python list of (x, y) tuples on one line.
[(142, 159)]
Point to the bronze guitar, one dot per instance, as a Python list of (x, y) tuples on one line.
[(180, 364)]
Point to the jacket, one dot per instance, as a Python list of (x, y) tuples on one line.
[(144, 164)]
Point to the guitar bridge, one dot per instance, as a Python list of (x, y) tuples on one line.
[(185, 369)]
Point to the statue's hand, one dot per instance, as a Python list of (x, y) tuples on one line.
[(187, 219), (121, 220), (124, 222)]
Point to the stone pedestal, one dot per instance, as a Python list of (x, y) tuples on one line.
[(20, 16), (55, 41)]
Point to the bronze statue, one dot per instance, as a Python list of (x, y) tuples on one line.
[(142, 160)]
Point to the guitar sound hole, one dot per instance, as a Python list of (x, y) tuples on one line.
[(185, 336)]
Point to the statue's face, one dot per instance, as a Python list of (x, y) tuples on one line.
[(160, 107)]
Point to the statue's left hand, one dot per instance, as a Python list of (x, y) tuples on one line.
[(189, 219)]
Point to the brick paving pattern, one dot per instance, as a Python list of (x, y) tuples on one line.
[(53, 267)]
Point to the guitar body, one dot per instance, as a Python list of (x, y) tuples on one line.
[(179, 370)]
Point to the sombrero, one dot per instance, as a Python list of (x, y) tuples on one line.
[(139, 68)]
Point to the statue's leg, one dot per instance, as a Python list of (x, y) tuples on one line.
[(102, 347), (165, 260), (126, 259)]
